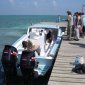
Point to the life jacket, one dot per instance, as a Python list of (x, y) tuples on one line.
[(27, 59), (9, 54)]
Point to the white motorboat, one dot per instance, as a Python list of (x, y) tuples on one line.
[(47, 50)]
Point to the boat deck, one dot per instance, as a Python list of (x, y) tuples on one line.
[(62, 71)]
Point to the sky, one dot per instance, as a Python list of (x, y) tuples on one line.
[(39, 7)]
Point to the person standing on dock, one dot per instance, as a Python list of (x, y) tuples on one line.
[(69, 27), (78, 28)]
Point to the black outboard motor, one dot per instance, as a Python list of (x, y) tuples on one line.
[(27, 64), (9, 59)]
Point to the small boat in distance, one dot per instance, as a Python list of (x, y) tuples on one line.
[(39, 34)]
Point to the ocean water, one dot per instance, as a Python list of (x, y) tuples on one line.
[(13, 27)]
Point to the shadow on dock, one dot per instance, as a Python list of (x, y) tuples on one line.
[(78, 44)]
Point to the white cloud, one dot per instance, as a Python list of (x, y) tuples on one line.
[(11, 1), (54, 3), (35, 3)]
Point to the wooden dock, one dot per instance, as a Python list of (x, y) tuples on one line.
[(62, 71)]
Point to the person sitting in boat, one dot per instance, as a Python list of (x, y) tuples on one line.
[(49, 36)]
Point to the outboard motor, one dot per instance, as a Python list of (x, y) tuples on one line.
[(27, 64), (9, 59)]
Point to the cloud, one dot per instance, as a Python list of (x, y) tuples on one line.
[(11, 1), (54, 3), (35, 3)]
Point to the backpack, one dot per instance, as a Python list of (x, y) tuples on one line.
[(27, 59), (9, 54)]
